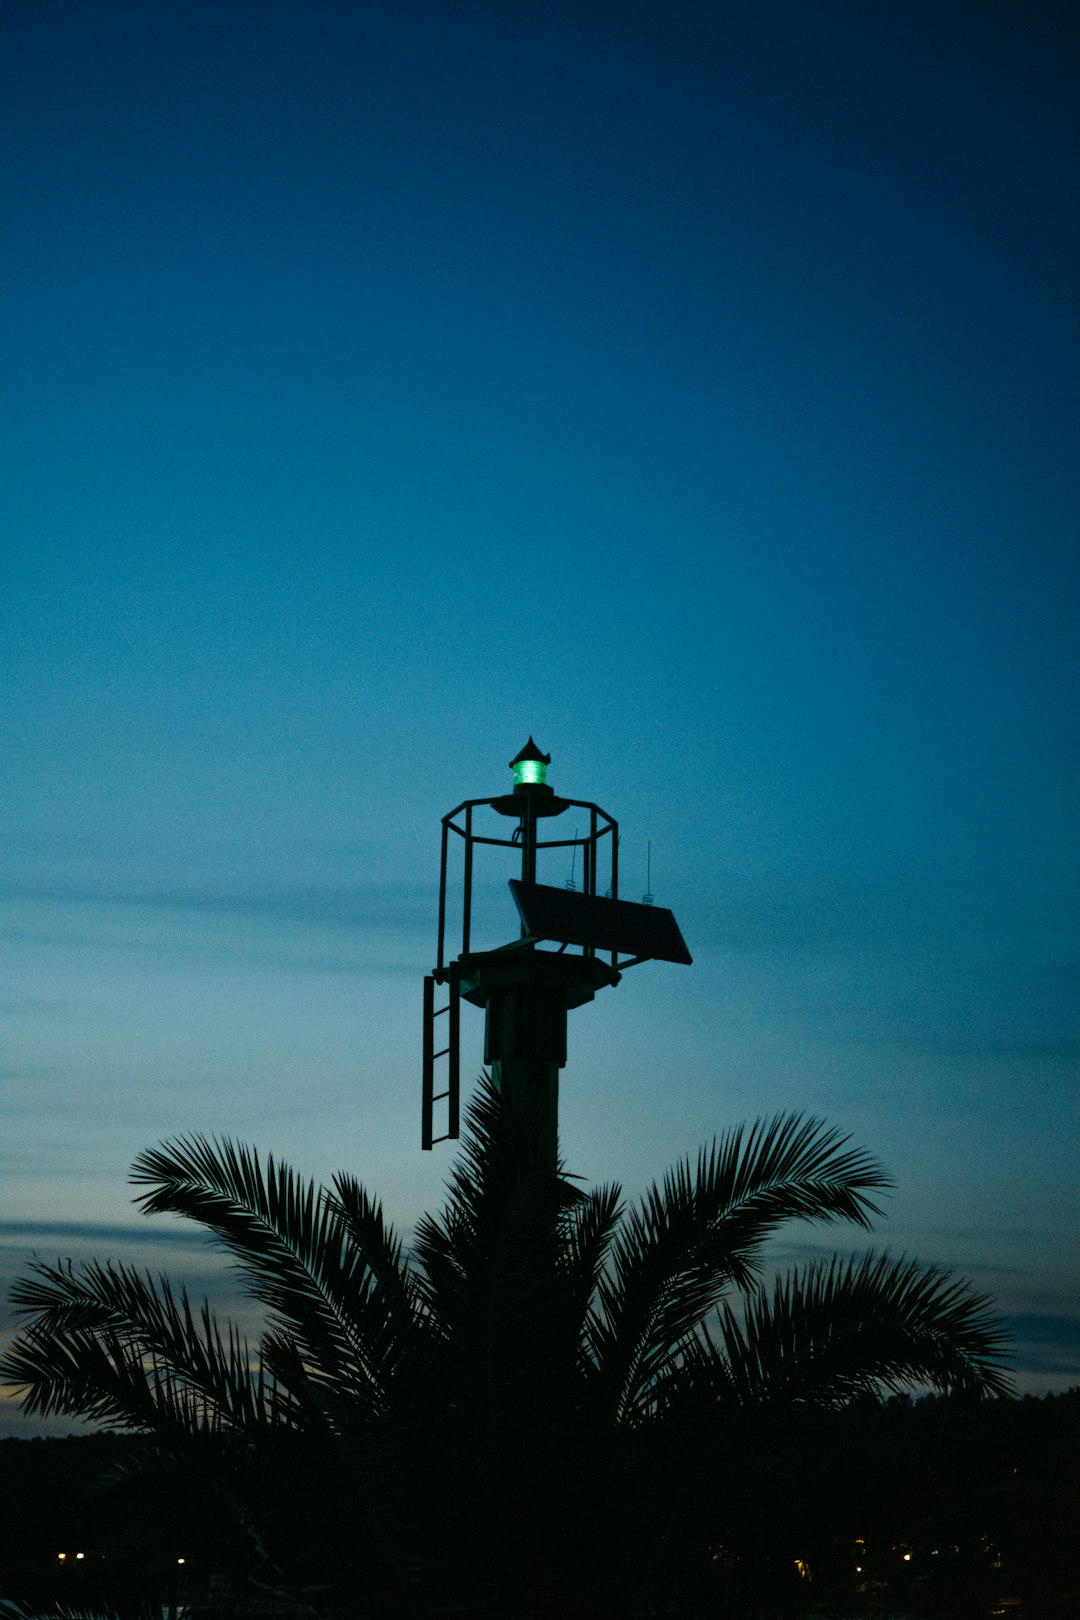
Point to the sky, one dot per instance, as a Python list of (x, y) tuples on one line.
[(690, 386)]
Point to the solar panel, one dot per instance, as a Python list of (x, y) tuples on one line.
[(607, 925)]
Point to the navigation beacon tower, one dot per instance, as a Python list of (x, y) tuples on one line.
[(525, 989)]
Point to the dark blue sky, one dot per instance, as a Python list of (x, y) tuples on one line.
[(692, 386)]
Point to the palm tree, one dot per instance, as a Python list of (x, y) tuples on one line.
[(526, 1415)]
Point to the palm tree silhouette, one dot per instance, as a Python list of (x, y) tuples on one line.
[(526, 1414)]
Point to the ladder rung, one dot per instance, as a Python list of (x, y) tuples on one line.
[(441, 1010), (443, 1053), (437, 1096)]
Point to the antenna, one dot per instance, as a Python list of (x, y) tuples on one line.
[(570, 884), (609, 892), (647, 898)]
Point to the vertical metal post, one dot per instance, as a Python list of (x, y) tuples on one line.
[(523, 829), (466, 922), (528, 846), (428, 1086), (453, 1079), (588, 872), (614, 834), (442, 894)]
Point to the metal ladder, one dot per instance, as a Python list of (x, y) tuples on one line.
[(451, 1051)]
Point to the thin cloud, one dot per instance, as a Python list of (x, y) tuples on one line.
[(82, 1232), (1064, 1051), (323, 904), (1046, 1343)]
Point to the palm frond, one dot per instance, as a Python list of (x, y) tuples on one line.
[(591, 1227), (388, 1307), (832, 1329), (702, 1230), (501, 1183), (106, 1328), (12, 1609), (289, 1242)]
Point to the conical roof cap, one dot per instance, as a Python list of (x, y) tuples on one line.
[(530, 751)]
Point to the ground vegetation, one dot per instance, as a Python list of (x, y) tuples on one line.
[(554, 1404)]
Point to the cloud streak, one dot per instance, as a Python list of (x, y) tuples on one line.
[(335, 905), (80, 1233), (1046, 1343)]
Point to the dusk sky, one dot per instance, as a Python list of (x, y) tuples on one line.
[(690, 385)]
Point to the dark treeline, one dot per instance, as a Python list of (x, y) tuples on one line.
[(941, 1507)]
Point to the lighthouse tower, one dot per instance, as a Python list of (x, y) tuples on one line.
[(569, 945)]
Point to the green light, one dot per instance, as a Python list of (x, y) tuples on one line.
[(527, 771)]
